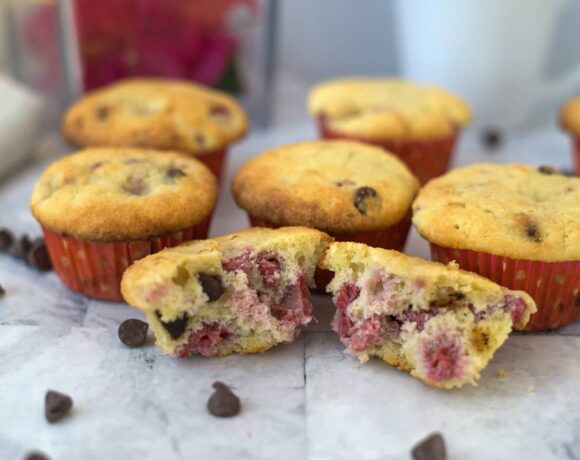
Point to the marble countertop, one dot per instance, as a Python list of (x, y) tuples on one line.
[(306, 400)]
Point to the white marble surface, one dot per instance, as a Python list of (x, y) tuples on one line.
[(306, 400)]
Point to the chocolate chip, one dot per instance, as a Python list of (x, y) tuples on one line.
[(430, 448), (458, 295), (176, 328), (361, 197), (175, 172), (102, 113), (56, 405), (492, 138), (547, 170), (133, 332), (223, 403), (6, 239), (38, 256), (212, 285), (2, 291), (36, 456), (21, 247), (533, 232)]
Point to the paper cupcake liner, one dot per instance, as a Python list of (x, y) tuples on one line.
[(393, 237), (426, 159), (214, 161), (555, 286), (96, 269), (576, 156)]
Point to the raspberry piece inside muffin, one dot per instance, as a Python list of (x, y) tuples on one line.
[(438, 322), (241, 293)]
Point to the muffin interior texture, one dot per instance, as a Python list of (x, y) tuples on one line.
[(239, 295), (439, 323)]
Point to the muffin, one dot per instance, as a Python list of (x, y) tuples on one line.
[(158, 114), (570, 122), (438, 322), (350, 190), (419, 124), (103, 208), (241, 293), (516, 225)]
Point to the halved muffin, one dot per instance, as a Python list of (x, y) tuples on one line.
[(438, 322), (240, 293)]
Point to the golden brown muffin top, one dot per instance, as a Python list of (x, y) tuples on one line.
[(119, 194)]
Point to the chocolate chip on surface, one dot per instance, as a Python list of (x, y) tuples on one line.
[(2, 291), (175, 172), (547, 170), (36, 456), (212, 285), (56, 405), (133, 332), (176, 328), (38, 256), (492, 138), (223, 403), (21, 247), (430, 448), (533, 232), (6, 239), (362, 196)]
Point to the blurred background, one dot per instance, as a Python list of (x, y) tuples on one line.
[(514, 61)]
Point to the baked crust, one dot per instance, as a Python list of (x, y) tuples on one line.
[(120, 194), (315, 184), (156, 113), (513, 210), (387, 109), (569, 116)]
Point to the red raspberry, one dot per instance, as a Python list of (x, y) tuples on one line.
[(269, 267), (347, 294)]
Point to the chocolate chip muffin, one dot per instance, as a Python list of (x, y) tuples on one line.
[(103, 208), (570, 121), (158, 114), (438, 322), (241, 293), (351, 190), (517, 225), (420, 124)]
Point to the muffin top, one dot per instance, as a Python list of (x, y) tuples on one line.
[(516, 211), (570, 116), (337, 186), (119, 194), (156, 113), (387, 109)]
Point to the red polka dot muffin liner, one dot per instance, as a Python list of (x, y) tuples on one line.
[(577, 156), (554, 286), (393, 237), (214, 161), (95, 269), (426, 159)]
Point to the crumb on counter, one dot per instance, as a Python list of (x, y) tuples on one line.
[(501, 374)]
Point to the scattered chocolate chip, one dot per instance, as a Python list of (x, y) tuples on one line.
[(133, 332), (492, 138), (430, 448), (102, 113), (2, 291), (175, 172), (547, 170), (176, 328), (21, 247), (533, 232), (6, 239), (212, 285), (361, 195), (38, 256), (56, 405), (223, 403), (458, 295), (36, 456)]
